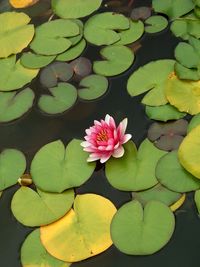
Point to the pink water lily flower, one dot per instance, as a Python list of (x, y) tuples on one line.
[(104, 139)]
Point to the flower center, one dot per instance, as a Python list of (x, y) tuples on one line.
[(102, 135)]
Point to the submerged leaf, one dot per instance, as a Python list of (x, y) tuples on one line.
[(82, 67), (143, 12)]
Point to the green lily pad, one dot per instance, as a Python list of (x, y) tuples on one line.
[(157, 193), (76, 39), (189, 152), (14, 75), (12, 166), (50, 75), (34, 61), (15, 33), (33, 253), (56, 168), (156, 74), (33, 208), (164, 113), (184, 73), (74, 8), (197, 200), (13, 105), (155, 24), (61, 99), (186, 55), (118, 59), (195, 121), (51, 37), (73, 52), (148, 229), (92, 87), (171, 174), (173, 8), (132, 34), (135, 171), (102, 29), (184, 95), (197, 11)]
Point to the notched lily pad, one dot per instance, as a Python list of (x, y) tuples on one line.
[(34, 61), (155, 24), (168, 136), (195, 121), (50, 75), (47, 207), (61, 99), (56, 168), (83, 232)]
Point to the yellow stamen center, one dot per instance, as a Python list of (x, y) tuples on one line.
[(102, 136)]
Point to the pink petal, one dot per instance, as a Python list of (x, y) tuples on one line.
[(93, 157), (105, 157), (119, 152), (85, 144), (122, 127), (109, 148), (97, 123), (112, 123), (90, 149), (107, 118), (126, 138)]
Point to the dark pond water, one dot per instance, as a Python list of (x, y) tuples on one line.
[(36, 129)]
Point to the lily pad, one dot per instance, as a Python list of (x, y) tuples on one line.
[(155, 24), (178, 203), (34, 61), (82, 67), (15, 33), (51, 37), (92, 87), (118, 59), (173, 8), (184, 73), (171, 174), (50, 75), (76, 39), (164, 113), (33, 208), (197, 200), (13, 105), (186, 55), (148, 229), (156, 74), (72, 52), (157, 193), (83, 232), (56, 168), (195, 121), (135, 171), (132, 34), (184, 95), (189, 152), (143, 12), (12, 166), (33, 253), (102, 29), (14, 75), (61, 99), (74, 8)]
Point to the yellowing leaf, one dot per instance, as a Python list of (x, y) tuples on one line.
[(83, 232), (22, 3), (178, 203)]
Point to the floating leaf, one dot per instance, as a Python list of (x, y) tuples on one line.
[(172, 175), (184, 95), (164, 113), (33, 61), (132, 34), (143, 12), (185, 73), (102, 29), (148, 229), (197, 11), (50, 37), (33, 208), (178, 203), (83, 232), (173, 8), (15, 34), (14, 75), (22, 3), (56, 71), (61, 99), (72, 52), (74, 8), (56, 168), (155, 24), (13, 105), (197, 200), (118, 59), (189, 152), (82, 67), (156, 74), (195, 121), (157, 193), (12, 166), (186, 55), (135, 171), (33, 253), (93, 86), (76, 39)]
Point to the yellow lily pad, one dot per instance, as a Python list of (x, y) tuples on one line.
[(189, 152), (83, 232), (178, 203)]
